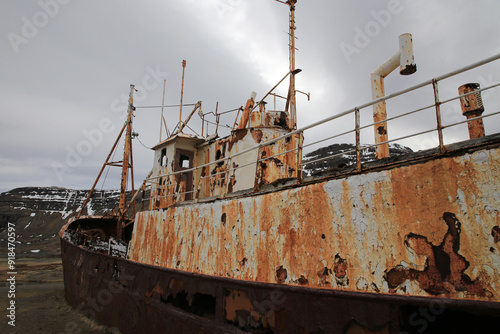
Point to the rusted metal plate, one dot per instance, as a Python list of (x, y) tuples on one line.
[(426, 229), (138, 298)]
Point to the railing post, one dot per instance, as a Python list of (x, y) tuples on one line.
[(196, 185), (358, 144), (258, 169), (438, 115), (228, 175), (299, 157)]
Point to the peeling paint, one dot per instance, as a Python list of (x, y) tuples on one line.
[(365, 219), (444, 266)]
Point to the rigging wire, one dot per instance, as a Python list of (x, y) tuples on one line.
[(222, 112), (225, 126), (169, 106), (137, 137), (196, 133), (107, 171)]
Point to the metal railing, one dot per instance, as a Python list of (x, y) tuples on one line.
[(356, 112)]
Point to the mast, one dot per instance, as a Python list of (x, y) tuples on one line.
[(162, 108), (182, 92), (126, 164), (291, 106)]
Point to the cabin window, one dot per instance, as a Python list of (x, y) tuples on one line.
[(183, 161), (163, 157)]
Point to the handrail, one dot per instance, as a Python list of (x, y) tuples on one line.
[(432, 82)]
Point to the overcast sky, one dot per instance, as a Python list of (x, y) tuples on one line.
[(67, 65)]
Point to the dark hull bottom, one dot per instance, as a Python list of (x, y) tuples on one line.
[(137, 298)]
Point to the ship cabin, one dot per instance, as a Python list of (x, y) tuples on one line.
[(191, 168)]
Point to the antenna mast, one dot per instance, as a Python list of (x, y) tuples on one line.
[(291, 100), (182, 92), (293, 106)]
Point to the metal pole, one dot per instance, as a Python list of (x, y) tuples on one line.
[(131, 166), (438, 115), (293, 107), (299, 157), (404, 59), (358, 136), (134, 197), (125, 164), (162, 107), (203, 126), (106, 163), (217, 118), (182, 92)]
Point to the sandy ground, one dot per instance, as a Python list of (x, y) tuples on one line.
[(39, 301)]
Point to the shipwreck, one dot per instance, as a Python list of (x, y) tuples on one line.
[(231, 235)]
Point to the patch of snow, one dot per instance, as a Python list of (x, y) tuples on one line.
[(35, 251), (27, 225), (89, 208), (32, 214)]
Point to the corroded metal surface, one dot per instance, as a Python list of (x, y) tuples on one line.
[(472, 106), (404, 59), (426, 229), (277, 161), (138, 298)]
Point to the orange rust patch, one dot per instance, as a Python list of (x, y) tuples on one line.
[(323, 275), (302, 280), (445, 267), (240, 310), (175, 286), (281, 275), (257, 135), (157, 290), (236, 137), (340, 271), (495, 232)]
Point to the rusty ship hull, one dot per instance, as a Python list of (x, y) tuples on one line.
[(341, 284), (139, 298), (135, 297)]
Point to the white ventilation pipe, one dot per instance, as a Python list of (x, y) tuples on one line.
[(404, 59)]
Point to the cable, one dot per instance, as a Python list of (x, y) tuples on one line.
[(107, 171), (137, 137), (149, 148), (170, 106)]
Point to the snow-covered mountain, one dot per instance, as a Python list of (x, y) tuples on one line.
[(341, 155), (58, 200), (39, 212)]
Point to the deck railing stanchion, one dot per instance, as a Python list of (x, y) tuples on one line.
[(438, 115)]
